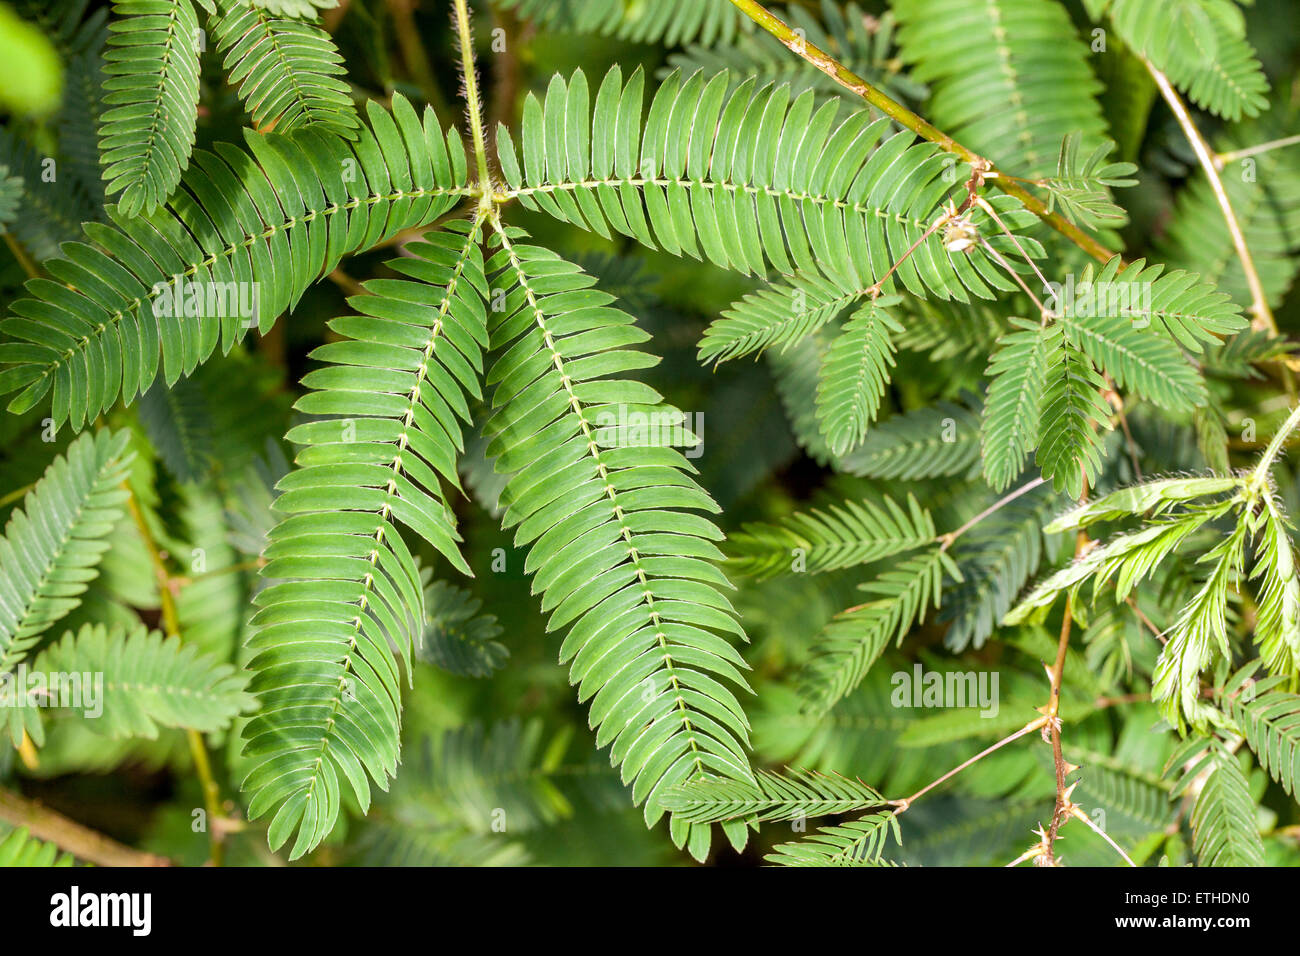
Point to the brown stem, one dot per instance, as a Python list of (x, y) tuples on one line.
[(1259, 306), (82, 842), (1029, 728), (1054, 714), (1002, 502)]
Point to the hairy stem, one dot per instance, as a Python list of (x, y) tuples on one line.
[(472, 100), (906, 118), (1053, 711), (1260, 475), (1259, 301)]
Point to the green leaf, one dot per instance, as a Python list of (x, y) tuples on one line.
[(345, 600), (1073, 416), (851, 643), (1200, 45), (1018, 378), (54, 542), (1224, 832), (855, 374), (935, 442), (287, 71), (125, 310), (842, 535), (147, 681), (19, 848), (616, 550), (456, 636), (856, 843), (152, 97), (738, 186), (794, 795), (1008, 78)]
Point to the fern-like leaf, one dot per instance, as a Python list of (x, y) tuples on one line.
[(852, 642), (294, 8), (794, 795), (1073, 417), (148, 681), (615, 550), (1277, 623), (856, 843), (287, 71), (1009, 78), (778, 316), (939, 441), (1199, 635), (1017, 379), (1224, 832), (271, 221), (351, 592), (701, 20), (1080, 188), (840, 536), (1202, 48), (732, 179), (152, 97), (1189, 310), (854, 376), (53, 544), (456, 636)]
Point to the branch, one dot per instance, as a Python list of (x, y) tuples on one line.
[(20, 254), (1077, 813), (1264, 320), (1029, 728), (906, 118), (951, 536), (82, 842), (1053, 712), (1223, 159)]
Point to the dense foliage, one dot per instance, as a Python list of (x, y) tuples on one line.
[(839, 391)]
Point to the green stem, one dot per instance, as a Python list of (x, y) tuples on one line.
[(472, 99), (16, 494), (1260, 475), (20, 254), (906, 118), (172, 622)]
